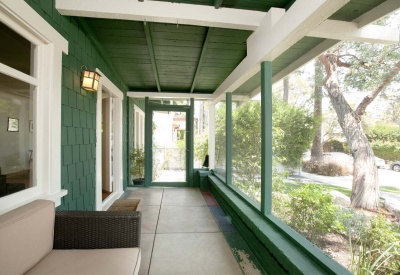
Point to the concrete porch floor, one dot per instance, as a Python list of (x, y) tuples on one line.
[(183, 233)]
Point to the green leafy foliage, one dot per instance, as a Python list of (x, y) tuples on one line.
[(297, 125), (375, 247), (335, 145), (246, 147), (384, 132), (137, 163), (370, 64), (201, 146), (220, 137), (312, 210), (292, 135), (385, 141)]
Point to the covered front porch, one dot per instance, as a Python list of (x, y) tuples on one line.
[(171, 108)]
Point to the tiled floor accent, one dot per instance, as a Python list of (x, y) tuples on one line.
[(184, 232)]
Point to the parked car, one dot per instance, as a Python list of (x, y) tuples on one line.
[(380, 163), (395, 166)]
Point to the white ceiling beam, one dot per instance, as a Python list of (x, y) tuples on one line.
[(372, 16), (377, 13), (305, 58), (163, 12), (349, 31), (271, 40), (255, 92), (179, 95)]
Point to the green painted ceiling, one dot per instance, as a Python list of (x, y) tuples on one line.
[(177, 48)]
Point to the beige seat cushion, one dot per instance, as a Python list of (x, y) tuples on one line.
[(116, 261), (26, 236)]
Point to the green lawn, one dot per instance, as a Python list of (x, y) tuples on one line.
[(346, 191), (390, 189)]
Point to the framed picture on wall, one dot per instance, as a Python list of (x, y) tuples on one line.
[(30, 126), (13, 125)]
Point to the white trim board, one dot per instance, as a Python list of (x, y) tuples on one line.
[(118, 96), (31, 21), (163, 12), (168, 95), (50, 45), (275, 35)]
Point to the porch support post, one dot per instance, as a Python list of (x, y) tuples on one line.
[(228, 133), (189, 143), (266, 137), (211, 136), (148, 143)]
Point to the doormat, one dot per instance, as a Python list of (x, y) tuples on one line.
[(124, 205)]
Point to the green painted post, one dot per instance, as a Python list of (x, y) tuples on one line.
[(228, 132), (190, 155), (148, 143), (266, 137), (128, 140)]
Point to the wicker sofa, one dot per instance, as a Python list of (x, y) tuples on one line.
[(36, 239)]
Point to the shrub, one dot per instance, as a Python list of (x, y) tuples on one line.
[(298, 128), (312, 210), (376, 248), (280, 198), (335, 145), (326, 168), (386, 150), (385, 141)]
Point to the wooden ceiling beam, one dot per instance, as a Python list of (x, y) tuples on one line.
[(218, 3), (150, 46), (201, 58)]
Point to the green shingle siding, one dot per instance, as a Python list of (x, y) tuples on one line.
[(78, 110)]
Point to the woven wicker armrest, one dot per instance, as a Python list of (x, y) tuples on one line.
[(96, 229)]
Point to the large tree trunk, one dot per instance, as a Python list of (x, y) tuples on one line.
[(316, 149), (286, 89), (365, 189)]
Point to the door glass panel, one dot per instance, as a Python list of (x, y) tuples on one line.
[(17, 125), (169, 146)]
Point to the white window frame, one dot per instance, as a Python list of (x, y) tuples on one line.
[(118, 97), (139, 127), (50, 45)]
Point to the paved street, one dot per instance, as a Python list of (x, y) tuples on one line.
[(386, 178)]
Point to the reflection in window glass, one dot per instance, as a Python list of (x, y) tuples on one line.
[(17, 135), (246, 148), (220, 139), (16, 53), (200, 132)]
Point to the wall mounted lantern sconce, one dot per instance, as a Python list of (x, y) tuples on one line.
[(90, 79)]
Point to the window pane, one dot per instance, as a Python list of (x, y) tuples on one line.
[(220, 139), (200, 132), (246, 148), (17, 135), (313, 206), (15, 51)]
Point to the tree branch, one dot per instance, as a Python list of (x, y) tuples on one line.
[(324, 60), (369, 98)]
